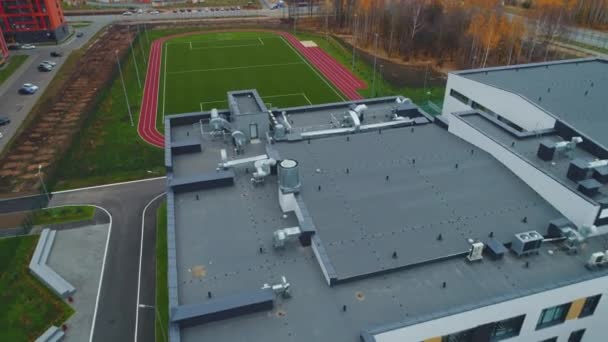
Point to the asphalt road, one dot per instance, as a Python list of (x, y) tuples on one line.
[(117, 303), (16, 106)]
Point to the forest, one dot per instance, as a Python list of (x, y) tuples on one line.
[(465, 33)]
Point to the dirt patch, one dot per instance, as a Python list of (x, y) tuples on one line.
[(54, 124)]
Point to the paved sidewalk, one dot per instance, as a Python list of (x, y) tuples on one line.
[(77, 256)]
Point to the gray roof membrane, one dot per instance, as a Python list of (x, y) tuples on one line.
[(223, 235), (573, 90), (527, 149)]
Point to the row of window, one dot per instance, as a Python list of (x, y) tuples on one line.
[(576, 336), (557, 314), (511, 327)]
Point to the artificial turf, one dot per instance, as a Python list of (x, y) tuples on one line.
[(198, 70)]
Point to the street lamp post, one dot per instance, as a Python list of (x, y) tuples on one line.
[(46, 193), (375, 60), (124, 88), (135, 62), (354, 39), (157, 318)]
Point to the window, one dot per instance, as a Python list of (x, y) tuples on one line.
[(589, 306), (458, 96), (576, 336), (552, 316), (552, 339), (507, 328), (461, 336)]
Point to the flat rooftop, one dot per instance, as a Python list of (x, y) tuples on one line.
[(573, 90), (527, 149), (440, 192)]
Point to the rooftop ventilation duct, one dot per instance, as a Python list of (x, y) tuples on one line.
[(282, 236), (579, 168), (262, 168), (289, 176), (547, 149)]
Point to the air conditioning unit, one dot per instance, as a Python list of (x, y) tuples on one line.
[(476, 251), (597, 259), (526, 243)]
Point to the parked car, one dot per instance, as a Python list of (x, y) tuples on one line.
[(28, 46), (154, 12), (28, 89), (49, 63), (56, 54), (127, 13), (44, 67), (14, 47), (4, 120), (79, 34)]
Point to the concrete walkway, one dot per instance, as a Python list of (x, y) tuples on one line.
[(77, 255)]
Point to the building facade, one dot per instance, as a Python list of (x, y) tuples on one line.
[(28, 21), (3, 49)]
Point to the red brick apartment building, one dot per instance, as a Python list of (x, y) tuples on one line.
[(27, 21), (3, 49)]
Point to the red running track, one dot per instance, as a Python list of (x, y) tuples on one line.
[(336, 73)]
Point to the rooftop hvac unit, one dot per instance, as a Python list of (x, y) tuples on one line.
[(475, 253), (597, 259), (289, 176), (526, 243)]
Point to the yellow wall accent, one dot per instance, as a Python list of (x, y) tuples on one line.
[(575, 308), (434, 339)]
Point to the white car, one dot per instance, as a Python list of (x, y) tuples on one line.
[(155, 12), (28, 89), (127, 13), (28, 46), (48, 63)]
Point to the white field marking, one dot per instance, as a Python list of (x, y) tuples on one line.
[(261, 41), (295, 94), (236, 68), (306, 97), (106, 185), (211, 41), (141, 248), (202, 103), (313, 69), (166, 48), (225, 46), (190, 45)]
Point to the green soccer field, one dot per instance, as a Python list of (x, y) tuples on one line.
[(198, 70)]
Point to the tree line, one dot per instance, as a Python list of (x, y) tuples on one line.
[(468, 33)]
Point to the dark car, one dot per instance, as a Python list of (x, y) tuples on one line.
[(14, 47), (45, 67), (4, 120), (56, 54), (79, 34)]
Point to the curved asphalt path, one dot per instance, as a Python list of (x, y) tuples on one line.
[(117, 301)]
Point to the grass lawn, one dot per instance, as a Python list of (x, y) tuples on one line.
[(108, 149), (162, 291), (79, 24), (63, 215), (28, 307), (13, 63), (365, 71), (199, 70)]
